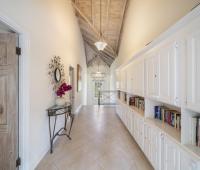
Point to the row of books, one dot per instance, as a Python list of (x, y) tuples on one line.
[(195, 131), (172, 117), (137, 102)]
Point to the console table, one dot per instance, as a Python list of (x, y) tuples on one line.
[(54, 112)]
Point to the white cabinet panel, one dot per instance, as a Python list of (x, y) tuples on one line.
[(164, 74), (193, 71), (171, 155), (123, 79), (141, 132), (139, 78), (152, 78), (188, 163), (169, 74), (155, 148), (129, 80), (147, 141)]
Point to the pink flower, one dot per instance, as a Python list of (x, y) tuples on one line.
[(62, 89)]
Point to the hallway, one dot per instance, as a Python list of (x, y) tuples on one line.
[(99, 142)]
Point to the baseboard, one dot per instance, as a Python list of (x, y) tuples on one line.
[(35, 163), (78, 109)]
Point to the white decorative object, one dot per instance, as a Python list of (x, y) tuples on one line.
[(100, 45), (60, 101)]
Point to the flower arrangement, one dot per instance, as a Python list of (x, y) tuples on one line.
[(63, 89)]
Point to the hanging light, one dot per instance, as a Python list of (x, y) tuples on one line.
[(101, 44)]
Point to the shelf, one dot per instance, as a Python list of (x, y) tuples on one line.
[(135, 109), (139, 111), (169, 130)]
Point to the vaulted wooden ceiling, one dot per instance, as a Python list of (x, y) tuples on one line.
[(111, 16)]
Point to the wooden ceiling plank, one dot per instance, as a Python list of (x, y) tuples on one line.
[(107, 52), (92, 12), (107, 12), (91, 25), (109, 61), (121, 27), (94, 48)]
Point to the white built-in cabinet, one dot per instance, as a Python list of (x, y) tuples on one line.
[(162, 78), (162, 151), (167, 72), (193, 70)]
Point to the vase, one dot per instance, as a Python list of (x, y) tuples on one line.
[(60, 101)]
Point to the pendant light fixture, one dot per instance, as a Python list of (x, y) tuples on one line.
[(101, 44)]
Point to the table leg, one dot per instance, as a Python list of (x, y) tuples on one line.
[(72, 117), (50, 135)]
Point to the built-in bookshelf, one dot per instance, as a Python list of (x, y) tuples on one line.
[(165, 117), (137, 102), (191, 127)]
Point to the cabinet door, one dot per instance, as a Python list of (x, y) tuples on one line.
[(136, 128), (171, 155), (129, 80), (147, 140), (139, 78), (155, 148), (168, 73), (152, 84), (193, 71), (141, 132), (134, 78), (188, 163), (132, 123), (164, 74)]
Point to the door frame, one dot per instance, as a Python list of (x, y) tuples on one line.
[(24, 105), (73, 87)]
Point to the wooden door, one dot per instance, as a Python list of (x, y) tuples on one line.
[(8, 102)]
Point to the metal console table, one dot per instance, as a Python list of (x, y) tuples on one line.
[(56, 111)]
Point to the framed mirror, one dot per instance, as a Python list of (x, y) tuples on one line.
[(57, 75), (56, 72)]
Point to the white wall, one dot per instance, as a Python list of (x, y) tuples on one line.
[(53, 30)]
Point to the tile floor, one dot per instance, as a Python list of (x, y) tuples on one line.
[(99, 142)]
